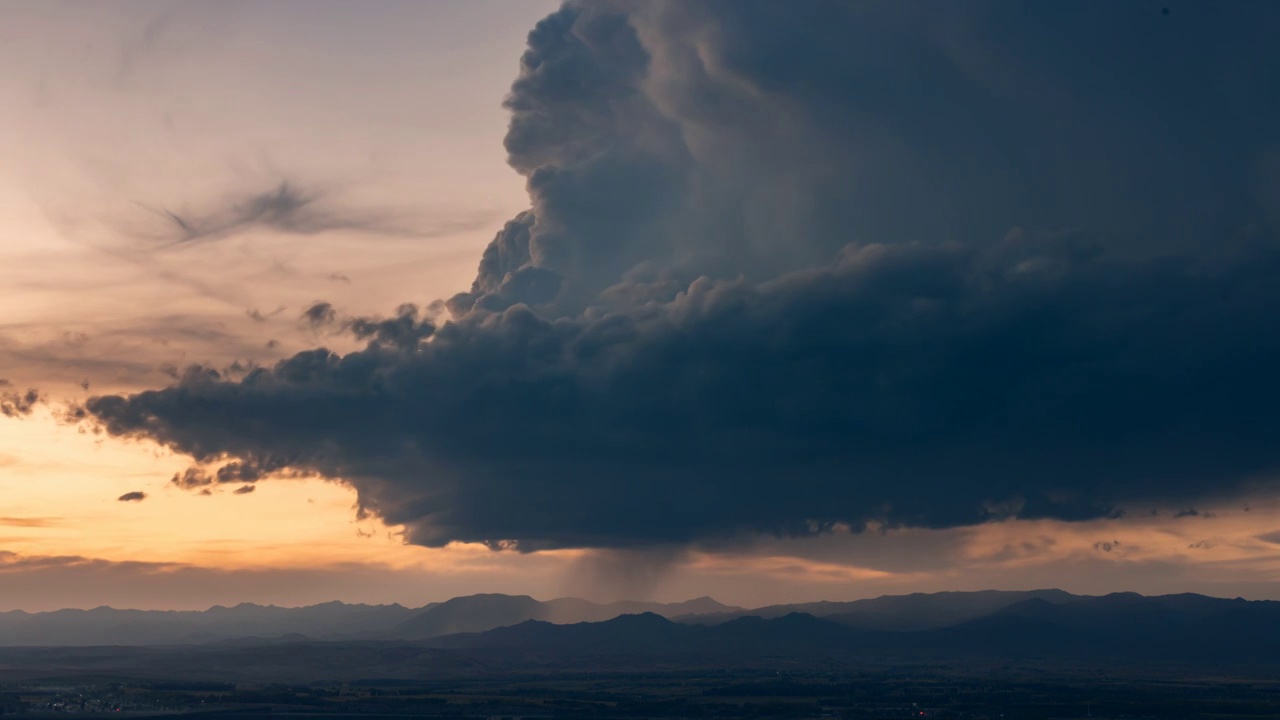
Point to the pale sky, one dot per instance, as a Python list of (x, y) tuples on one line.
[(113, 113), (141, 142)]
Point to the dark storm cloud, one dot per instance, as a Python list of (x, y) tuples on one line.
[(407, 329), (768, 284), (135, 496)]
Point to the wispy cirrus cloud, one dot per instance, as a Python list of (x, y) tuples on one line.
[(30, 522), (286, 209)]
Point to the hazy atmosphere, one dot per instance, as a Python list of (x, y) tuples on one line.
[(392, 301)]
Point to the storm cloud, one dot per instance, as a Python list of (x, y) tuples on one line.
[(789, 270)]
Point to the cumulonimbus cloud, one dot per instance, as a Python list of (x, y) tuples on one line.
[(784, 270)]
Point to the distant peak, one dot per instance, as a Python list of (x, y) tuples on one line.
[(640, 618), (1123, 597), (490, 596), (797, 617)]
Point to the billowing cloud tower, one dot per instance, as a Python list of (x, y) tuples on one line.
[(789, 266)]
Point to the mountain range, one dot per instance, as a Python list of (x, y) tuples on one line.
[(327, 621), (1015, 624), (1052, 625)]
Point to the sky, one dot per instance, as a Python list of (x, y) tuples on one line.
[(397, 301)]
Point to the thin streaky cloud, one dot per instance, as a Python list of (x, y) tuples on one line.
[(30, 522)]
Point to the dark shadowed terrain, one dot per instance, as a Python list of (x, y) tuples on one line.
[(328, 621), (1043, 654)]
